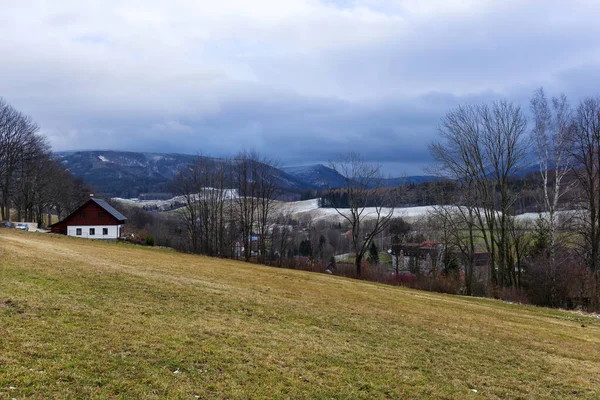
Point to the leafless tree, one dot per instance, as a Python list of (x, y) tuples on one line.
[(266, 191), (282, 239), (486, 146), (67, 192), (553, 136), (34, 181), (17, 137), (368, 199), (206, 196), (586, 154), (257, 188), (246, 202), (456, 214)]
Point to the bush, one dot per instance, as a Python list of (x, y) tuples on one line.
[(149, 240)]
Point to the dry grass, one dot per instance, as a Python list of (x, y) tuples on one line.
[(82, 319)]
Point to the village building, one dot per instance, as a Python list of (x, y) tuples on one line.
[(427, 257), (94, 219), (417, 258)]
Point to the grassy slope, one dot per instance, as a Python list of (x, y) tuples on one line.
[(83, 319)]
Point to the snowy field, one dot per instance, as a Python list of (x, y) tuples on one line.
[(175, 202), (309, 209)]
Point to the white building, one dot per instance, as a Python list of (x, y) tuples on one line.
[(94, 219)]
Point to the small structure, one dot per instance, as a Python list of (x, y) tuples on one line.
[(417, 258), (94, 219)]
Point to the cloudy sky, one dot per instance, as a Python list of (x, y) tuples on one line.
[(297, 80)]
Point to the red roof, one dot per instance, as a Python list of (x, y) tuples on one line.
[(92, 212)]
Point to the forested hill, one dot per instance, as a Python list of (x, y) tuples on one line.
[(129, 174), (125, 174)]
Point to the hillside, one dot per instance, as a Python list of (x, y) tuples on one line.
[(125, 174), (323, 177), (129, 174), (320, 176), (82, 319)]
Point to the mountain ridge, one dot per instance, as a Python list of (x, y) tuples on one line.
[(128, 174)]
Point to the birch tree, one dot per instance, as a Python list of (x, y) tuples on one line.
[(553, 138)]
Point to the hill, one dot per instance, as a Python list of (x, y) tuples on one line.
[(125, 174), (323, 177), (317, 175), (129, 174), (82, 319), (393, 182)]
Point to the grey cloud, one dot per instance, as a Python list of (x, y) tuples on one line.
[(302, 86)]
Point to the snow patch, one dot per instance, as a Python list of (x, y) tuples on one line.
[(103, 159)]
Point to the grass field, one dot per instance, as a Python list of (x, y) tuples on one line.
[(82, 319)]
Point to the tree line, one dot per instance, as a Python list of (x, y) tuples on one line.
[(228, 205), (33, 184), (482, 148)]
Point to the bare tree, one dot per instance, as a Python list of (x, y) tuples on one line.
[(257, 187), (245, 172), (203, 186), (457, 217), (266, 191), (67, 192), (586, 154), (485, 146), (553, 135), (282, 239), (17, 136), (368, 199), (186, 184)]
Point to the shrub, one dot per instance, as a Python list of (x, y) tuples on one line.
[(149, 240)]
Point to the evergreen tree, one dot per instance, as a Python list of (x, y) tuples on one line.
[(305, 248), (373, 254)]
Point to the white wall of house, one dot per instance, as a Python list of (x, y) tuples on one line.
[(99, 231)]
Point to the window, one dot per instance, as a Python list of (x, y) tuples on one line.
[(78, 231), (92, 231), (82, 215), (100, 215), (105, 231)]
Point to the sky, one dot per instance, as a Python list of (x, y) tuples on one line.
[(300, 81)]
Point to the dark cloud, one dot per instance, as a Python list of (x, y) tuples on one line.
[(300, 81)]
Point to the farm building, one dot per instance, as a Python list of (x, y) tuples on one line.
[(94, 219)]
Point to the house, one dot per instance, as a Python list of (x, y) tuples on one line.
[(418, 258), (94, 219)]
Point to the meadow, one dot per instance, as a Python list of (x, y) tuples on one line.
[(85, 319)]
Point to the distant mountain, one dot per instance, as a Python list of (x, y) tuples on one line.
[(407, 180), (123, 173), (324, 177), (129, 174), (316, 176)]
